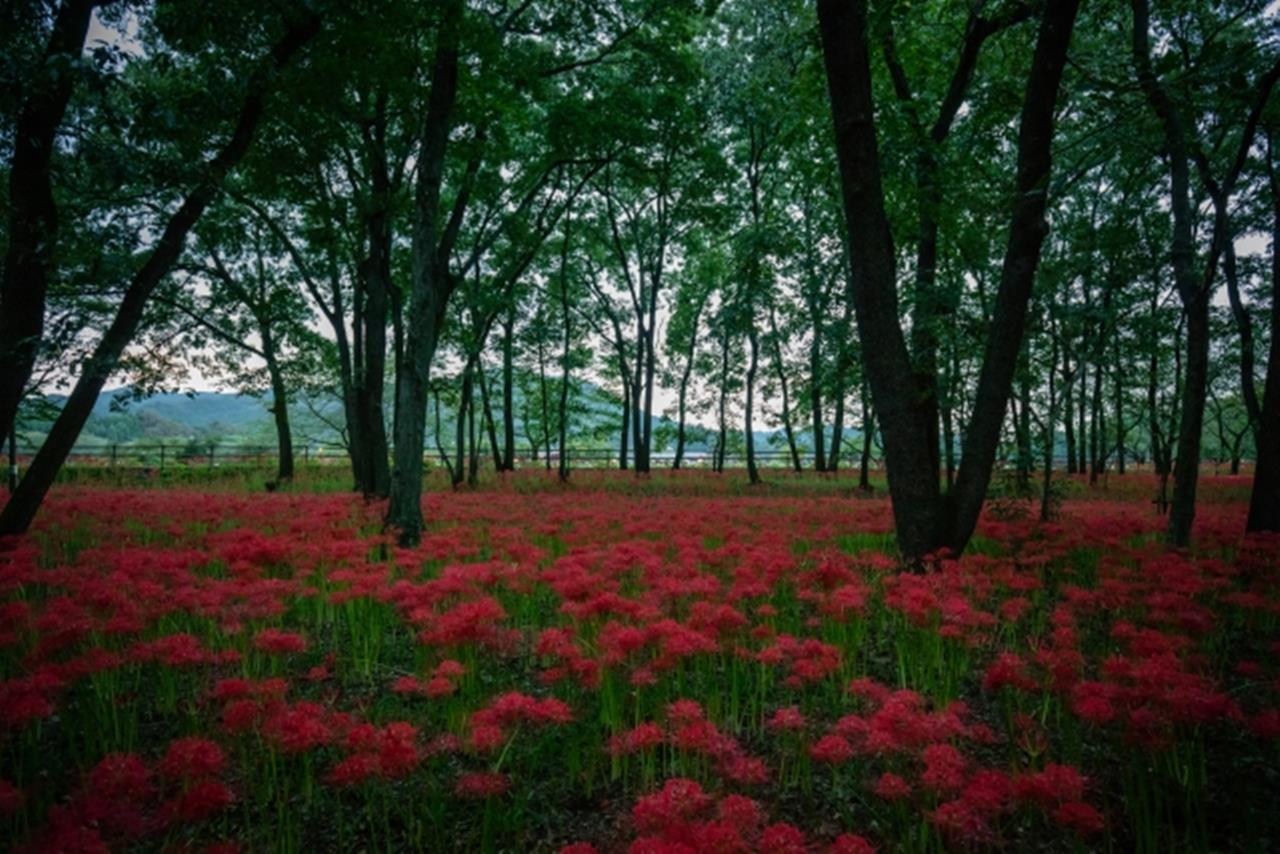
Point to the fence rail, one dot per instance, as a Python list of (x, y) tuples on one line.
[(161, 455)]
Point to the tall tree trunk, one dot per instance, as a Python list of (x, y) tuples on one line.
[(753, 473), (1068, 411), (842, 373), (1118, 391), (868, 431), (279, 405), (490, 428), (923, 520), (543, 397), (29, 261), (1264, 499), (626, 423), (786, 397), (1046, 476), (508, 386), (684, 382), (1022, 423), (377, 288), (722, 439), (1193, 292), (432, 285), (26, 500), (460, 428)]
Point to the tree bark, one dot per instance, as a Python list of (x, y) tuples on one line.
[(753, 342), (432, 285), (26, 500), (508, 386), (30, 259), (1264, 499)]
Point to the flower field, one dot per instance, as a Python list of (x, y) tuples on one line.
[(664, 667)]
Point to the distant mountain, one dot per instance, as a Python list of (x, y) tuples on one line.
[(226, 417)]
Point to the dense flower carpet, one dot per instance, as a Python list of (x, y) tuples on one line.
[(601, 668)]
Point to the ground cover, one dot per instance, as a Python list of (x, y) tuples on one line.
[(674, 665)]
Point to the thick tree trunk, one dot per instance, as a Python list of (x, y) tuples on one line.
[(376, 274), (29, 260), (924, 521), (1193, 292), (1264, 500), (25, 502), (432, 286)]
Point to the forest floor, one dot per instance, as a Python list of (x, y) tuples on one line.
[(680, 663)]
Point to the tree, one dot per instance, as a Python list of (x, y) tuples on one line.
[(25, 501), (927, 521)]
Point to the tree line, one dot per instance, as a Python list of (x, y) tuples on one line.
[(968, 234)]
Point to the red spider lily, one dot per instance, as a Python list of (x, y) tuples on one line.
[(192, 758), (478, 785), (279, 642)]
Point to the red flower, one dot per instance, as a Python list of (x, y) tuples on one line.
[(200, 801), (832, 750), (1079, 817), (849, 843), (478, 784), (191, 759), (279, 642)]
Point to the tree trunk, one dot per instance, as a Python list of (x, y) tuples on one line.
[(29, 261), (753, 473), (279, 406), (1068, 412), (722, 439), (626, 424), (490, 428), (842, 371), (460, 428), (1193, 293), (377, 287), (432, 285), (868, 430), (1264, 499), (508, 386), (26, 500), (923, 520), (786, 397)]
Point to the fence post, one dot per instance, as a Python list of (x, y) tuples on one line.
[(113, 455)]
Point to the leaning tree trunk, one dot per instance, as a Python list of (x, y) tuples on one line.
[(33, 214), (26, 500)]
